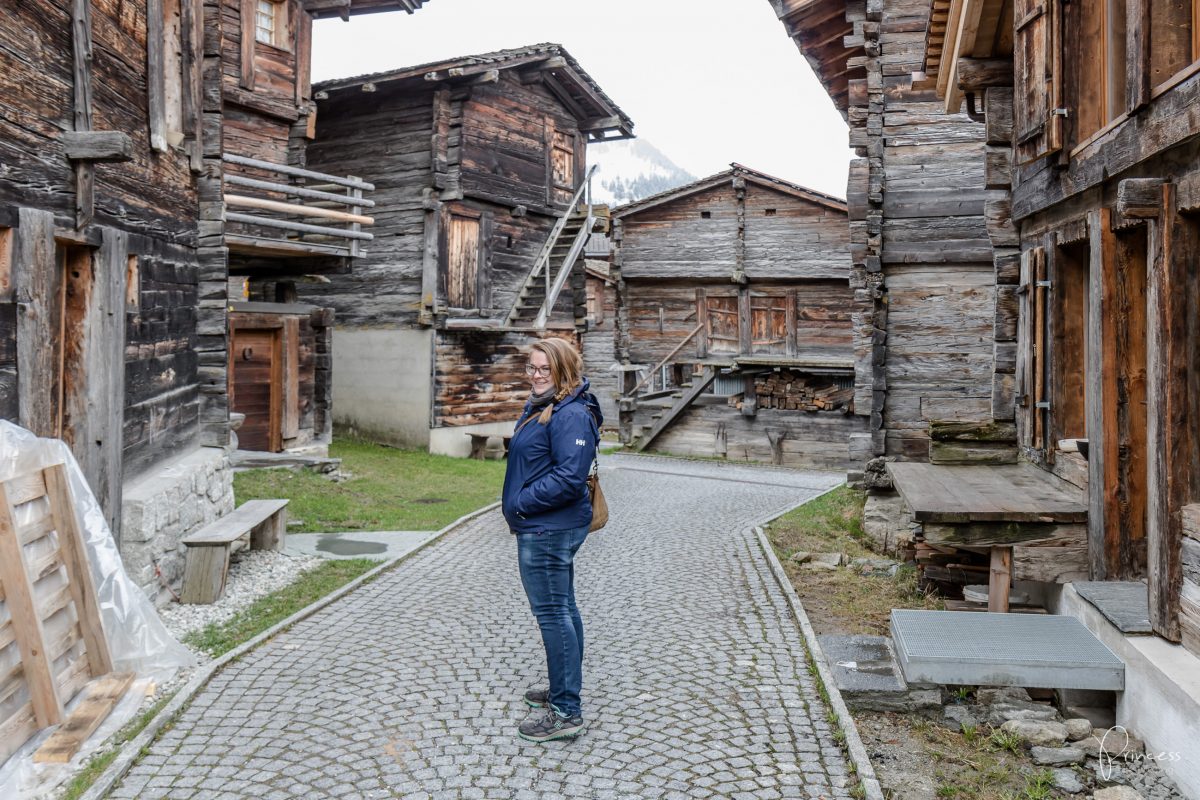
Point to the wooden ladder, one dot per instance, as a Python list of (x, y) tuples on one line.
[(664, 418)]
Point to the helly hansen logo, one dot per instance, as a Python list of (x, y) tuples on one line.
[(580, 442)]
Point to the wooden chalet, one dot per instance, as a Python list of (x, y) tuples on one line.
[(148, 151), (1084, 150), (734, 316), (481, 215)]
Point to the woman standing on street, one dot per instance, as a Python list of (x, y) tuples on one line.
[(547, 506)]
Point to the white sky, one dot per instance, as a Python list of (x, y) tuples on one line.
[(706, 81)]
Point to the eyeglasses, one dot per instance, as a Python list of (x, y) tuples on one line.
[(530, 369)]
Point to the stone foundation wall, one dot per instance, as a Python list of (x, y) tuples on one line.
[(166, 504)]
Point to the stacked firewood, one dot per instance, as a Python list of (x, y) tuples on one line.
[(947, 568), (794, 391)]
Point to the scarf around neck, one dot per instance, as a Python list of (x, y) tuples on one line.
[(539, 400)]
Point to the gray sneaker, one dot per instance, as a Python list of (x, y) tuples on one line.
[(548, 726), (537, 698)]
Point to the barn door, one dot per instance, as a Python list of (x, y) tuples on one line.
[(256, 367), (1038, 119), (462, 261)]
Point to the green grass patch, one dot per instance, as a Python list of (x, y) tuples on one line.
[(389, 490), (95, 767), (221, 637), (832, 522)]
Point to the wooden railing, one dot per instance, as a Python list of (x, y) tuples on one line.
[(654, 370), (581, 204), (315, 214)]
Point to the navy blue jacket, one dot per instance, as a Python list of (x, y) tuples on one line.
[(545, 484)]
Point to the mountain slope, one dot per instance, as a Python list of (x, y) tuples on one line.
[(631, 169)]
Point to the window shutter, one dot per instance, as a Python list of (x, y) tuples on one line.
[(1038, 112), (1032, 349)]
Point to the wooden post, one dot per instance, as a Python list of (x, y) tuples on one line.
[(1169, 436), (1000, 579), (247, 50), (85, 172), (1137, 59), (36, 281), (1104, 534), (156, 75)]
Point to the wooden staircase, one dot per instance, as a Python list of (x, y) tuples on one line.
[(683, 399), (564, 246)]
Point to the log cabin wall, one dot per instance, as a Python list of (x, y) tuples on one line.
[(116, 228), (923, 261), (599, 342)]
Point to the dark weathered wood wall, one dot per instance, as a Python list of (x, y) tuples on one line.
[(599, 347), (924, 269), (147, 205), (479, 376)]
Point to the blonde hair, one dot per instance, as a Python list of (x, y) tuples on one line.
[(566, 370)]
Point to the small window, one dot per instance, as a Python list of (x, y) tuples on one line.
[(705, 215), (271, 23), (770, 212)]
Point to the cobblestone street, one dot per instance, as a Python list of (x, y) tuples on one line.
[(694, 675)]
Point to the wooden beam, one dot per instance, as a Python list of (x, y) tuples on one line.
[(88, 145), (975, 74), (1101, 398), (103, 695), (37, 281), (1140, 198)]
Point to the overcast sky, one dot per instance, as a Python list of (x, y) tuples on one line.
[(706, 81)]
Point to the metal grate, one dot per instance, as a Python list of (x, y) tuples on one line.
[(1003, 649)]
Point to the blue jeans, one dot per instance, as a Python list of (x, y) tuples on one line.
[(546, 560)]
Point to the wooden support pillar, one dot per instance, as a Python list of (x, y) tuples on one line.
[(1000, 579), (1171, 383), (1104, 533)]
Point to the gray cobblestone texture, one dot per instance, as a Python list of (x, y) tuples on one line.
[(695, 683)]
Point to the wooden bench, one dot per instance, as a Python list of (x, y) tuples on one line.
[(479, 443), (257, 524)]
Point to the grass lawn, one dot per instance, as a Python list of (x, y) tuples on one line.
[(390, 490), (842, 601)]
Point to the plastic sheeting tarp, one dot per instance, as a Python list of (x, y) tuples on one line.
[(137, 638)]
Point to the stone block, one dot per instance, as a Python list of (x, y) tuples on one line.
[(1057, 756), (1036, 732)]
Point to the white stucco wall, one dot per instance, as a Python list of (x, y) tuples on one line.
[(381, 384)]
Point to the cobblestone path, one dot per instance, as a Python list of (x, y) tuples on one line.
[(694, 675)]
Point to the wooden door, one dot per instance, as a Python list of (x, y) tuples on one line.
[(462, 262), (256, 362)]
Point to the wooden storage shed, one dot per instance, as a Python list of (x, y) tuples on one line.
[(482, 212), (734, 321)]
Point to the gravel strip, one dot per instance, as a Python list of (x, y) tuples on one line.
[(252, 574)]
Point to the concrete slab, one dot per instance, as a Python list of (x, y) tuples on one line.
[(966, 648), (1125, 604), (862, 663), (379, 545)]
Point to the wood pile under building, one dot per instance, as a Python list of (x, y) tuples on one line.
[(792, 390)]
